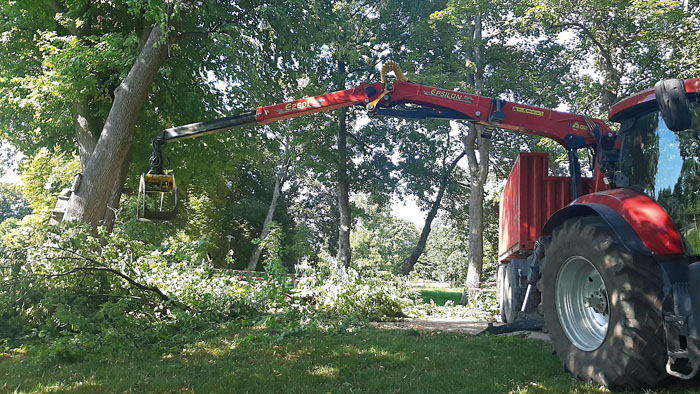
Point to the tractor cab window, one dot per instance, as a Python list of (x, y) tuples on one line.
[(666, 166)]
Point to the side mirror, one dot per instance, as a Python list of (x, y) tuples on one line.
[(673, 104)]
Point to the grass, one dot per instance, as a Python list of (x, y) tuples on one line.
[(241, 360), (441, 295)]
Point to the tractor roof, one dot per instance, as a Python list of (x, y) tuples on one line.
[(643, 101)]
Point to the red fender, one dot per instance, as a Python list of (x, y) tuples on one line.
[(647, 218)]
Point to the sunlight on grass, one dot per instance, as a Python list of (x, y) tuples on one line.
[(371, 361), (83, 385), (324, 370), (382, 353), (539, 388)]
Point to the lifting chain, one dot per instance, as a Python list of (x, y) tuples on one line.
[(392, 66), (388, 66)]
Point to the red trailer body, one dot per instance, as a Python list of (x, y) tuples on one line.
[(530, 197)]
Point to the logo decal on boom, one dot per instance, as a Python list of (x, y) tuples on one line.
[(528, 111), (450, 95), (311, 102)]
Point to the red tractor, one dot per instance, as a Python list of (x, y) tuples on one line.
[(609, 260)]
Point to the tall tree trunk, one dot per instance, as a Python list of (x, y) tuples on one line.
[(115, 196), (611, 80), (478, 171), (86, 131), (343, 188), (89, 202), (477, 56), (410, 262), (257, 251), (267, 224), (344, 252)]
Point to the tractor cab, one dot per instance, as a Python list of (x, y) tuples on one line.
[(660, 162)]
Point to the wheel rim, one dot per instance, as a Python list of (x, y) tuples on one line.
[(582, 303)]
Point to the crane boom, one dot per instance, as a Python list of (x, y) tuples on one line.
[(426, 102), (400, 99)]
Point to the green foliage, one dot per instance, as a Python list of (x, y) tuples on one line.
[(445, 256), (369, 295), (62, 285), (381, 241), (482, 305), (44, 175), (82, 296), (629, 44), (441, 296), (12, 203)]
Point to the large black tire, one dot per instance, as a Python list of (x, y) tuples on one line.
[(512, 289), (631, 350), (500, 291), (673, 104)]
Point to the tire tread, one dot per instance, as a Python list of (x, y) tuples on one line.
[(635, 283)]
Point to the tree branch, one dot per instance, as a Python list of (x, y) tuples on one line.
[(58, 8), (604, 51), (97, 267), (118, 273)]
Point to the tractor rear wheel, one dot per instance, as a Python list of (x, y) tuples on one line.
[(511, 291), (500, 291), (602, 306)]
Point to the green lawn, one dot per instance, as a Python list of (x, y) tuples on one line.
[(369, 361), (440, 295)]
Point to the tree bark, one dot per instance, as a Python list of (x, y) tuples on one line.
[(89, 202), (478, 171), (410, 262), (343, 188), (115, 196), (267, 224), (344, 252), (477, 56), (86, 131)]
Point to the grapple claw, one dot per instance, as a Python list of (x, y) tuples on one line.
[(159, 190)]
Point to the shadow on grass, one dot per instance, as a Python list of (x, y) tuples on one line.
[(368, 361)]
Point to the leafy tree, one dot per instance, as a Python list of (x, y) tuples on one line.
[(445, 257), (92, 67), (280, 178), (428, 161), (381, 241), (12, 203), (628, 44), (427, 153), (498, 62), (44, 175)]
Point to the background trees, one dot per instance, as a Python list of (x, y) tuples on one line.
[(12, 203), (616, 48), (67, 100)]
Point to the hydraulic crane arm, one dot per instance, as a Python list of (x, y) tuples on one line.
[(273, 113), (401, 99), (392, 99)]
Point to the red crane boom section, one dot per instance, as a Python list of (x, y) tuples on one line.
[(477, 109)]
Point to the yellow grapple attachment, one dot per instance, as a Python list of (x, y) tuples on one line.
[(157, 198)]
